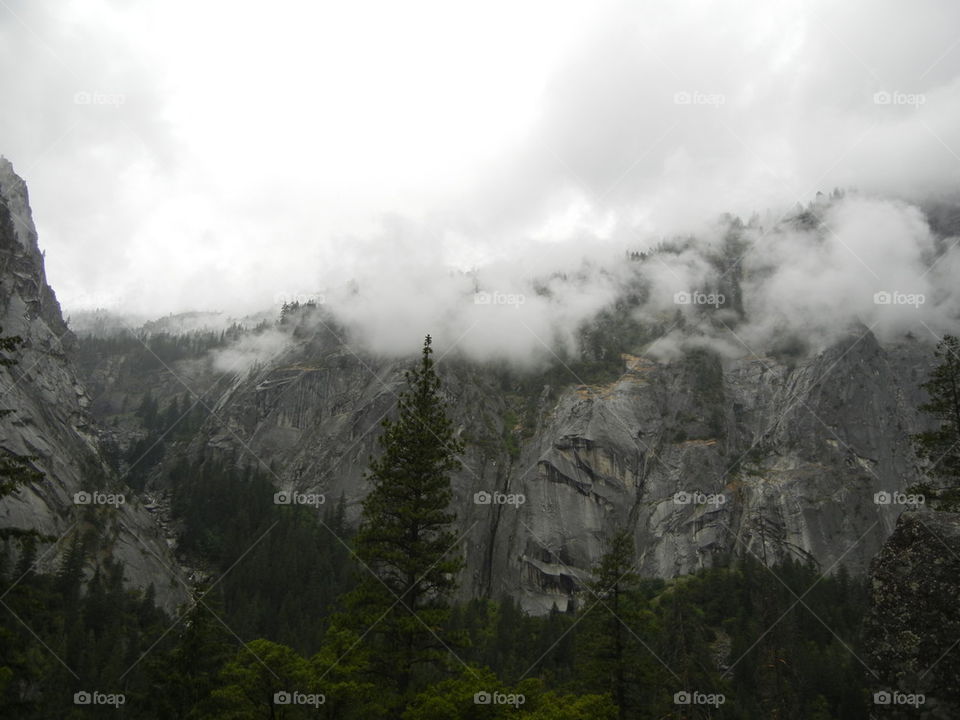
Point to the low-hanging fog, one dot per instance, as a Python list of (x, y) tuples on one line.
[(872, 262)]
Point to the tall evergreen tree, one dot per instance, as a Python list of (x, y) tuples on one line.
[(181, 678), (405, 539), (610, 645), (684, 644)]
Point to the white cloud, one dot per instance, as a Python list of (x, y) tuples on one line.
[(290, 148)]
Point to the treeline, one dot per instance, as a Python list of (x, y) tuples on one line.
[(283, 566), (62, 634), (145, 352), (178, 421), (707, 633)]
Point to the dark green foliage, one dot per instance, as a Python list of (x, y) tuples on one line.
[(501, 636), (726, 630), (405, 544), (294, 567), (184, 670), (611, 653), (786, 659), (179, 421), (58, 637), (722, 630)]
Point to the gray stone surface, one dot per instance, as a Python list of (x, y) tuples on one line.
[(795, 452), (51, 420)]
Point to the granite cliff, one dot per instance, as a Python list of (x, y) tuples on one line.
[(700, 457), (51, 421)]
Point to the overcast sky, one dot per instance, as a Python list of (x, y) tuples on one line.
[(216, 155)]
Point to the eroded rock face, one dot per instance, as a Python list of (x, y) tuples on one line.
[(913, 628), (50, 419), (769, 459)]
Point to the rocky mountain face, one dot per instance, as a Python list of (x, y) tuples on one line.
[(700, 458), (50, 421), (913, 626)]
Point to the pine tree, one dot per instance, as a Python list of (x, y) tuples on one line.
[(148, 412), (405, 541), (183, 678), (612, 632), (254, 681), (684, 643)]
